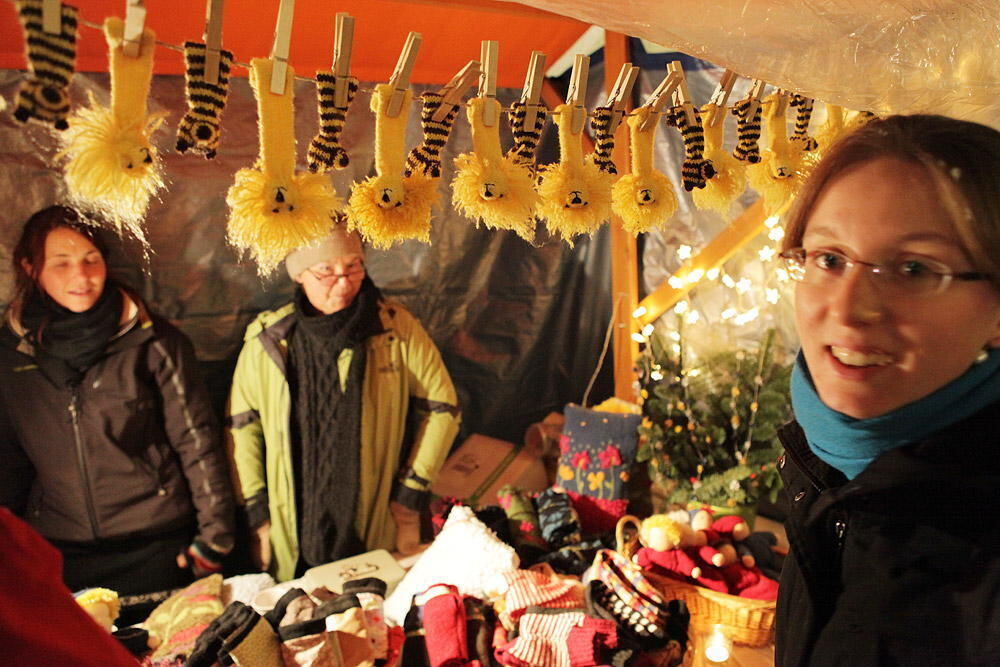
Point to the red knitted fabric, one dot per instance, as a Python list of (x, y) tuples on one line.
[(444, 626)]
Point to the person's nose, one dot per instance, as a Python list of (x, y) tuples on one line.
[(855, 298)]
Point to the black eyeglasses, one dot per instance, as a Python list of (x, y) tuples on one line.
[(353, 271), (905, 275)]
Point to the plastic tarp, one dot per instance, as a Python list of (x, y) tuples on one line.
[(937, 56)]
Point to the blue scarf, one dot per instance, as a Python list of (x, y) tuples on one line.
[(850, 444)]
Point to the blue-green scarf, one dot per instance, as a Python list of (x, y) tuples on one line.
[(850, 444)]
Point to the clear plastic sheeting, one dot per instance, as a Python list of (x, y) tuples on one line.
[(928, 56), (520, 326)]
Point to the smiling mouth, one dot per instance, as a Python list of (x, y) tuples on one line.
[(855, 358)]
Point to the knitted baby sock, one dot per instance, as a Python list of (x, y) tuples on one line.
[(444, 625), (604, 140), (525, 138), (747, 132), (426, 158), (803, 114), (43, 96), (371, 595), (696, 170), (325, 151), (557, 520), (199, 128)]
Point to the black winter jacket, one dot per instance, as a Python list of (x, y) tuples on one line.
[(133, 450), (901, 565)]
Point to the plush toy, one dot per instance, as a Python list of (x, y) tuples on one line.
[(644, 198), (112, 168), (489, 186), (575, 193), (389, 206), (43, 96), (325, 151), (695, 170), (273, 208), (664, 541), (102, 604), (198, 130), (783, 165), (730, 178)]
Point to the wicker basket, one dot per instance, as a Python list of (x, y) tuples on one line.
[(744, 620)]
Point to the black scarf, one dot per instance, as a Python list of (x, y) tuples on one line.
[(68, 343), (328, 422)]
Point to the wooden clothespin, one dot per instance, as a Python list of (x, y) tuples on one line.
[(452, 92), (659, 98), (400, 79), (488, 54), (576, 96), (282, 40), (52, 17), (213, 39), (781, 99), (533, 87), (720, 97), (343, 43), (621, 93), (756, 93), (135, 23), (682, 95)]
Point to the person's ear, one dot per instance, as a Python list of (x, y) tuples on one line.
[(298, 278)]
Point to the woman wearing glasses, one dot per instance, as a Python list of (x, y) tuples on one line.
[(892, 468), (318, 416)]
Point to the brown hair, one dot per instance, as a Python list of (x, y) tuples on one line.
[(29, 253), (962, 158)]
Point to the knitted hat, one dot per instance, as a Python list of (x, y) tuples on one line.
[(337, 243)]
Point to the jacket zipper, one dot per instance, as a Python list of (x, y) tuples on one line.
[(81, 460)]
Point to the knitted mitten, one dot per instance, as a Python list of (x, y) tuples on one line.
[(557, 520), (325, 151), (426, 158), (199, 128), (43, 96), (803, 114), (525, 138), (604, 140), (696, 170), (371, 595), (747, 132)]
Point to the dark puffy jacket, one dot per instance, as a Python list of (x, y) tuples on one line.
[(901, 565), (133, 450)]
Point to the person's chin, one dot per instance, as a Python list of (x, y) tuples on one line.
[(79, 303)]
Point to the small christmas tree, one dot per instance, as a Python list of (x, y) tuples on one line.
[(709, 428)]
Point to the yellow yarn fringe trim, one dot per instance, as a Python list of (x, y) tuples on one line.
[(382, 227)]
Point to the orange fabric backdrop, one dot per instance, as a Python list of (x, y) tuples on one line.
[(451, 32)]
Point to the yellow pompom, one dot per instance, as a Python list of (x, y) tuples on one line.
[(111, 168), (643, 201), (574, 199), (384, 216), (270, 218), (500, 194)]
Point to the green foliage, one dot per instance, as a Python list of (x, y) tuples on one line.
[(709, 429)]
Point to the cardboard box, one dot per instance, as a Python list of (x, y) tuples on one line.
[(482, 465)]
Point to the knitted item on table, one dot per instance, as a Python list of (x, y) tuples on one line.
[(616, 588), (695, 170), (273, 209), (325, 151), (592, 642), (525, 138), (747, 131), (112, 167), (643, 198), (538, 588), (414, 648), (209, 642), (244, 587), (444, 626), (730, 178), (489, 187), (44, 96), (749, 582), (542, 638), (480, 620), (387, 208), (557, 520), (253, 643), (177, 621), (371, 595), (522, 518), (575, 195), (597, 450), (198, 130), (345, 621)]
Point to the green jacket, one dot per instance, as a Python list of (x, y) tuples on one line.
[(405, 381)]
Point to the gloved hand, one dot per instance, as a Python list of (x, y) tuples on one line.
[(201, 558)]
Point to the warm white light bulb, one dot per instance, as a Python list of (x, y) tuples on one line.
[(639, 312), (684, 252)]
